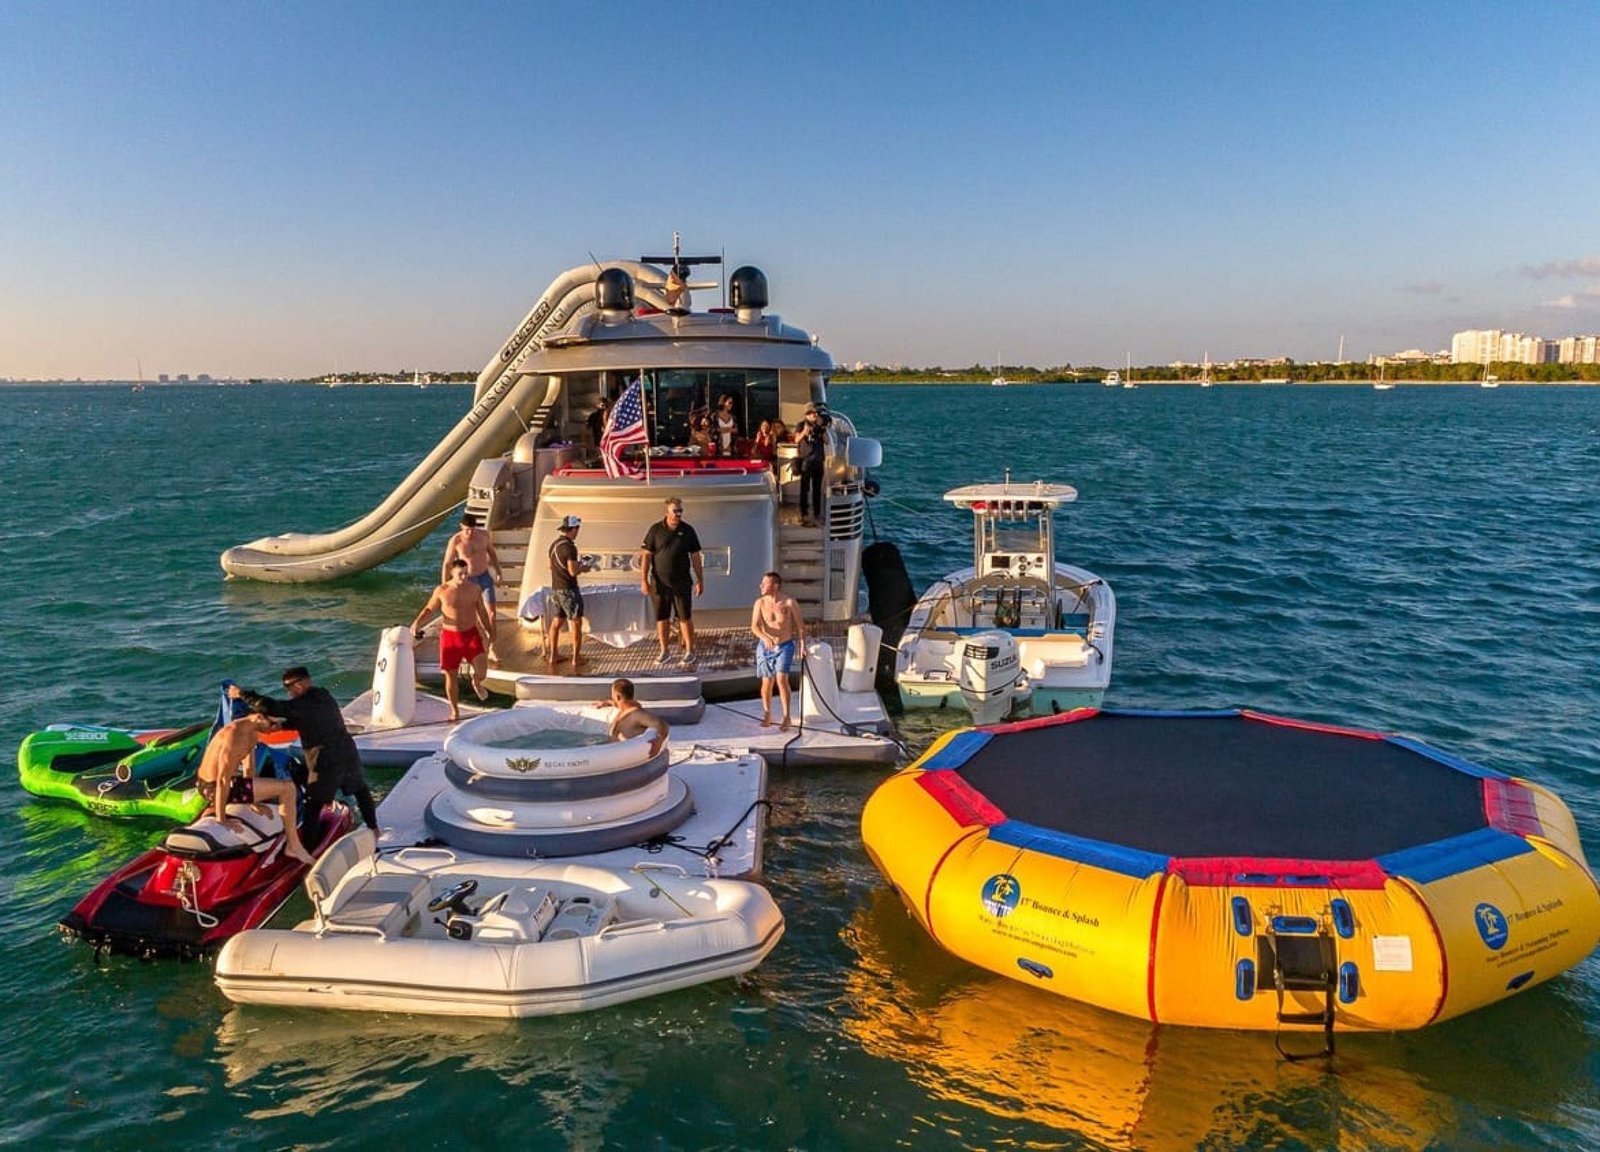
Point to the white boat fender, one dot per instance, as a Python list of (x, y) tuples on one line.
[(394, 680), (819, 687), (861, 658)]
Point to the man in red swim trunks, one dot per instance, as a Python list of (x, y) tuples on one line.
[(466, 636)]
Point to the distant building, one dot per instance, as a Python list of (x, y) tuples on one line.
[(1485, 346), (1579, 350)]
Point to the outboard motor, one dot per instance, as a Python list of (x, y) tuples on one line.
[(988, 671), (747, 293)]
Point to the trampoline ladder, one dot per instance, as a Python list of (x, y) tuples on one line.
[(1308, 969)]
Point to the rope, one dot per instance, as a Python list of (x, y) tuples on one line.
[(189, 898)]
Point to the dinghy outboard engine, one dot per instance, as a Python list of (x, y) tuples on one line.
[(988, 672)]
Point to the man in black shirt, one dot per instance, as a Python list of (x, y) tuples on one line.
[(331, 754), (566, 600), (670, 555)]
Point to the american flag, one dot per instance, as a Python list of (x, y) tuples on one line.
[(625, 427)]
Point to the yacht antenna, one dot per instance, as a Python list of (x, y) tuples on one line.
[(678, 262)]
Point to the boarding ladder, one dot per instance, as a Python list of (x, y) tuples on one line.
[(1301, 957)]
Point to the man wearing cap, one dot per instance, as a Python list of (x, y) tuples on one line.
[(565, 601), (670, 555), (809, 443), (332, 760)]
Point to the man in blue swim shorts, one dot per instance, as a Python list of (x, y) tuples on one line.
[(780, 635), (474, 545)]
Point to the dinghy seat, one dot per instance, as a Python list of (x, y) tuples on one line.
[(258, 830), (347, 900), (583, 916), (515, 916)]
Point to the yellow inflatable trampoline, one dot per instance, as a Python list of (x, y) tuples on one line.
[(1236, 870)]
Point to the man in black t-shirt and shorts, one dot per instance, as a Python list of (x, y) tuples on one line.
[(670, 555), (566, 601)]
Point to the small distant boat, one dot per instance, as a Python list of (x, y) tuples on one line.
[(1205, 372), (1113, 379), (1380, 384), (1490, 380), (1127, 380), (999, 380)]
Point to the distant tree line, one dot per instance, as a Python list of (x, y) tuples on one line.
[(1295, 373)]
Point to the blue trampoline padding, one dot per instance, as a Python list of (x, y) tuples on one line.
[(1429, 862), (1111, 857), (962, 747), (1447, 759)]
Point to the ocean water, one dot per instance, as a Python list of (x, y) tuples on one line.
[(1424, 560)]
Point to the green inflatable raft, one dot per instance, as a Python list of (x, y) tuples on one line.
[(128, 771)]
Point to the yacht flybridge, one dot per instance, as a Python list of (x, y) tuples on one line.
[(526, 455)]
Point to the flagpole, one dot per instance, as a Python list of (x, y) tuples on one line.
[(644, 415)]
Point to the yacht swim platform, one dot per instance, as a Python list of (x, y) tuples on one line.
[(395, 725)]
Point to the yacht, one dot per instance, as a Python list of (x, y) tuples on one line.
[(524, 457), (1113, 379)]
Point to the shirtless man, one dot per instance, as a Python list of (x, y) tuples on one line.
[(467, 634), (776, 624), (233, 749), (631, 719), (473, 545)]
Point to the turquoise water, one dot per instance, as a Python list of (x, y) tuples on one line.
[(1426, 560)]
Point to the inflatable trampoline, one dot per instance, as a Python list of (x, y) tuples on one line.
[(1236, 870)]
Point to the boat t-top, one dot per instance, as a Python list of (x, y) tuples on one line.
[(1018, 630), (538, 448)]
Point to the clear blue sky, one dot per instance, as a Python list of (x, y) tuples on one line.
[(285, 189)]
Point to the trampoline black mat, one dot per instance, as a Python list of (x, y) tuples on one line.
[(1225, 786)]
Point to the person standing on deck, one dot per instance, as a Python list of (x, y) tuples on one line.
[(566, 599), (465, 635), (474, 545), (670, 558), (810, 443), (780, 634)]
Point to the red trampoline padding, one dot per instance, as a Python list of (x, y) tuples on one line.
[(1511, 807), (1264, 872), (965, 804)]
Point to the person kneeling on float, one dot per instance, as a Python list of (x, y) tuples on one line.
[(232, 749)]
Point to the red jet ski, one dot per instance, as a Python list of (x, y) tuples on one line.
[(207, 881)]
